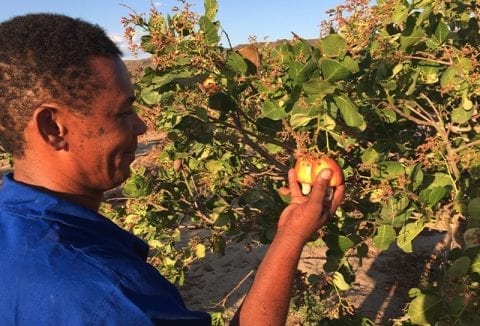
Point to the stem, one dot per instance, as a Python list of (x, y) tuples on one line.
[(223, 302), (409, 117), (327, 140), (465, 146), (447, 63), (249, 133)]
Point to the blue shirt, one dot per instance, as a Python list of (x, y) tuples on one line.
[(63, 264)]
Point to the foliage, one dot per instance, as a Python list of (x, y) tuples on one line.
[(391, 91), (5, 158)]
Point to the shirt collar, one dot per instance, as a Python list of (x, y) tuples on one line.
[(44, 205)]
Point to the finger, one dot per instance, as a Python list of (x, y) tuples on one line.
[(293, 184), (325, 217), (285, 194), (320, 186), (284, 191), (338, 196)]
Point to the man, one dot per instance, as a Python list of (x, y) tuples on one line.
[(66, 116)]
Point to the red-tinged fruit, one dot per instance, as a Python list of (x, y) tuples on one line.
[(308, 166)]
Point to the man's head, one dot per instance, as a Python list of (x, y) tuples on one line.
[(66, 106), (45, 58)]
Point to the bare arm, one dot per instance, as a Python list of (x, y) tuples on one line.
[(268, 299)]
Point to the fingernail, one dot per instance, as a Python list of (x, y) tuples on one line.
[(326, 174)]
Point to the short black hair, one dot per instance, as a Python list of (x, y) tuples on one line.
[(45, 57)]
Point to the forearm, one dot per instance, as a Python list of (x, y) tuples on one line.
[(268, 299)]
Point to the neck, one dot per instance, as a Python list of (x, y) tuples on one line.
[(45, 181)]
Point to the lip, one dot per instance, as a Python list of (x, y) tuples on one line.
[(130, 154)]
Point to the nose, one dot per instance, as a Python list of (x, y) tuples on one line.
[(139, 126)]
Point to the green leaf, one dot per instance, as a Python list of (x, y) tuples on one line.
[(333, 70), (214, 166), (424, 15), (318, 87), (440, 36), (300, 120), (333, 45), (147, 45), (473, 208), (150, 95), (339, 282), (344, 243), (400, 13), (211, 9), (475, 266), (461, 116), (222, 102), (236, 63), (221, 219), (390, 170), (137, 186), (408, 40), (442, 31), (327, 122), (162, 80), (439, 179), (210, 30), (394, 211), (436, 194), (459, 268), (349, 111), (416, 177), (338, 244), (428, 73), (408, 233), (389, 84), (452, 77), (302, 114), (425, 309), (294, 69), (384, 237), (414, 292), (272, 111), (467, 104), (305, 72), (370, 156), (472, 238), (351, 64)]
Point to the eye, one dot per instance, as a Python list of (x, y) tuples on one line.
[(126, 113)]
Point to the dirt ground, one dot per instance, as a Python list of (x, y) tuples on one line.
[(380, 290)]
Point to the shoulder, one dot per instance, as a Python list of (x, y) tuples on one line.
[(87, 281)]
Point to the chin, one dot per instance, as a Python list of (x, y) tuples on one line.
[(118, 178)]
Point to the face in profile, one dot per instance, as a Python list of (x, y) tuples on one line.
[(102, 144)]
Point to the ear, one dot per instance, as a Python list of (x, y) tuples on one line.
[(50, 128)]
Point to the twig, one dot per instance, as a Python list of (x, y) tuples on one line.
[(409, 117), (422, 114), (447, 63), (223, 302), (465, 146)]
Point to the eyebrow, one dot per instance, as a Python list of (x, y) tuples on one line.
[(130, 99)]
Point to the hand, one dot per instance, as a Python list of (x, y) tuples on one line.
[(306, 214)]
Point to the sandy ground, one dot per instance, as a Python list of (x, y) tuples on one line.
[(380, 290)]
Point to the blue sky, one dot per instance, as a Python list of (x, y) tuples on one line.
[(273, 20)]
